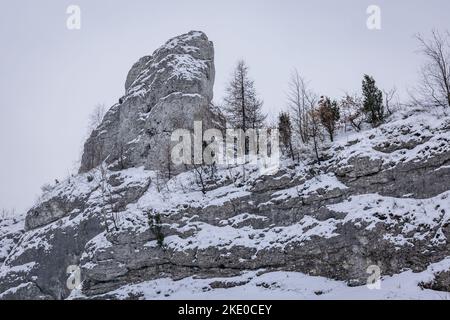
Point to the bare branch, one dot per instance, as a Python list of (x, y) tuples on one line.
[(434, 87)]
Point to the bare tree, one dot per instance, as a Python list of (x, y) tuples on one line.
[(434, 88), (165, 171), (389, 96), (205, 173), (96, 117), (301, 100), (315, 131), (351, 109), (200, 177), (5, 213)]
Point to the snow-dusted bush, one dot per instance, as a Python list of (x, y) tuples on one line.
[(47, 187)]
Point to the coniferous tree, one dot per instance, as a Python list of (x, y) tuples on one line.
[(242, 106), (372, 101)]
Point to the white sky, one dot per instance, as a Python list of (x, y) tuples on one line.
[(51, 78)]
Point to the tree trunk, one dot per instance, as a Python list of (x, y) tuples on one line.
[(316, 150), (244, 126), (291, 150)]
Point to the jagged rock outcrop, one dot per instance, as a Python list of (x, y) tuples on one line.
[(163, 92), (381, 198), (11, 229), (48, 247)]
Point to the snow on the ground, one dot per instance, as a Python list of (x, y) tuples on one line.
[(428, 130), (326, 182), (371, 209), (227, 236), (10, 227), (285, 285), (21, 268), (412, 214), (168, 196)]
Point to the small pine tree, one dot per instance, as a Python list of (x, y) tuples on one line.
[(329, 115), (372, 101), (285, 131)]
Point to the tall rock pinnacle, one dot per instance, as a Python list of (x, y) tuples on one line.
[(163, 92)]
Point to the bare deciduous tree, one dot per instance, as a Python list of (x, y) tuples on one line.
[(389, 96), (200, 177), (96, 117), (351, 109), (301, 100), (315, 131), (5, 213), (434, 88)]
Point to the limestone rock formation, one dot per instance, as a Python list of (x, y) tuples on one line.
[(163, 92), (382, 198)]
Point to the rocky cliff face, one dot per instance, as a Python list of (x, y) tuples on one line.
[(163, 92), (381, 198)]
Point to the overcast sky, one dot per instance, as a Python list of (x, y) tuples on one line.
[(51, 77)]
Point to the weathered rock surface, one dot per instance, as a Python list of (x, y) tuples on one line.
[(164, 92), (41, 256), (381, 198), (11, 229)]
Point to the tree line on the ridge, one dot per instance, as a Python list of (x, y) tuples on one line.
[(311, 119)]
